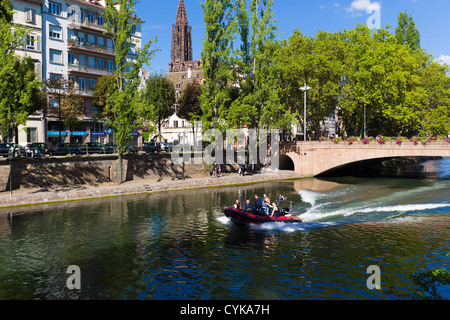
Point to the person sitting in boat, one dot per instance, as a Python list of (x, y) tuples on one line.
[(237, 205), (258, 205), (266, 205), (275, 210), (248, 207), (266, 199)]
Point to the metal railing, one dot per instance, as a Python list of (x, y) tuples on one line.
[(75, 43), (90, 69)]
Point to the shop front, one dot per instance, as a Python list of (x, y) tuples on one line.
[(55, 137), (78, 137)]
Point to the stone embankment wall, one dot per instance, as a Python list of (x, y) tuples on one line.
[(68, 172)]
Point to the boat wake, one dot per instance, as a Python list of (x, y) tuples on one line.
[(349, 204)]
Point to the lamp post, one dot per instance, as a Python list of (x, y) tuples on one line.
[(305, 89)]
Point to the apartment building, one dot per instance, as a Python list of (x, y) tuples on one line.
[(77, 48), (70, 38), (28, 14)]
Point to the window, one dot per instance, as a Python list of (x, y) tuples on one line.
[(91, 62), (71, 58), (81, 37), (71, 78), (54, 8), (110, 66), (91, 17), (91, 39), (54, 76), (30, 15), (82, 60), (101, 41), (55, 56), (71, 34), (55, 32), (82, 84), (109, 46), (30, 42), (54, 103), (132, 50), (91, 84), (100, 21), (31, 135), (175, 124), (101, 64)]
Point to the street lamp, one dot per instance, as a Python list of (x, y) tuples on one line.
[(305, 89)]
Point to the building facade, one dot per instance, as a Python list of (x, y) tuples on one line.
[(70, 43), (28, 14)]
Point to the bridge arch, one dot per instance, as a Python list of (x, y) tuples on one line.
[(314, 158), (286, 163)]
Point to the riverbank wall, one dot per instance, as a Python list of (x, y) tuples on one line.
[(70, 172)]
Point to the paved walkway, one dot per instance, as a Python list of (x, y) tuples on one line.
[(25, 197)]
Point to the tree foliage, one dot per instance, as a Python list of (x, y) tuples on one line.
[(217, 59), (20, 89), (103, 90), (189, 107), (366, 76), (69, 107), (158, 100), (377, 82), (124, 104), (406, 32)]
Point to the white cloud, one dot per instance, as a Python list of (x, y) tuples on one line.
[(444, 60), (363, 5)]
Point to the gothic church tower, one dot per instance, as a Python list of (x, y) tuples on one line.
[(181, 37), (182, 67)]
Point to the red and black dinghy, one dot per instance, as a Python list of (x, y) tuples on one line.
[(244, 218)]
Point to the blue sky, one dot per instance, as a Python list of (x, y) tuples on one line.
[(431, 17)]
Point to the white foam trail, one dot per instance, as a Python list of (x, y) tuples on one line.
[(404, 208), (223, 220), (310, 197), (313, 214)]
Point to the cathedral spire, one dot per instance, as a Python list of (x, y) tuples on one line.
[(181, 37), (181, 14)]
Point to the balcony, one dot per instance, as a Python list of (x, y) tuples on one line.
[(85, 92), (91, 70), (75, 22), (76, 44)]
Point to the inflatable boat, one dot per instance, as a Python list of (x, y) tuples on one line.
[(240, 217)]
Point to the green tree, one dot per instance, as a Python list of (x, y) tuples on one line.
[(189, 107), (257, 101), (435, 118), (105, 87), (406, 32), (20, 90), (68, 108), (20, 94), (159, 99), (5, 11), (217, 59), (378, 85), (123, 105)]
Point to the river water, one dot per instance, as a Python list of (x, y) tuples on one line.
[(179, 245)]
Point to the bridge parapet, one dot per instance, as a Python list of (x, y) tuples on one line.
[(312, 158)]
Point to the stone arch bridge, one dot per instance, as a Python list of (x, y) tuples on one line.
[(314, 158)]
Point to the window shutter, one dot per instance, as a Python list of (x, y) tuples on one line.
[(38, 43)]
